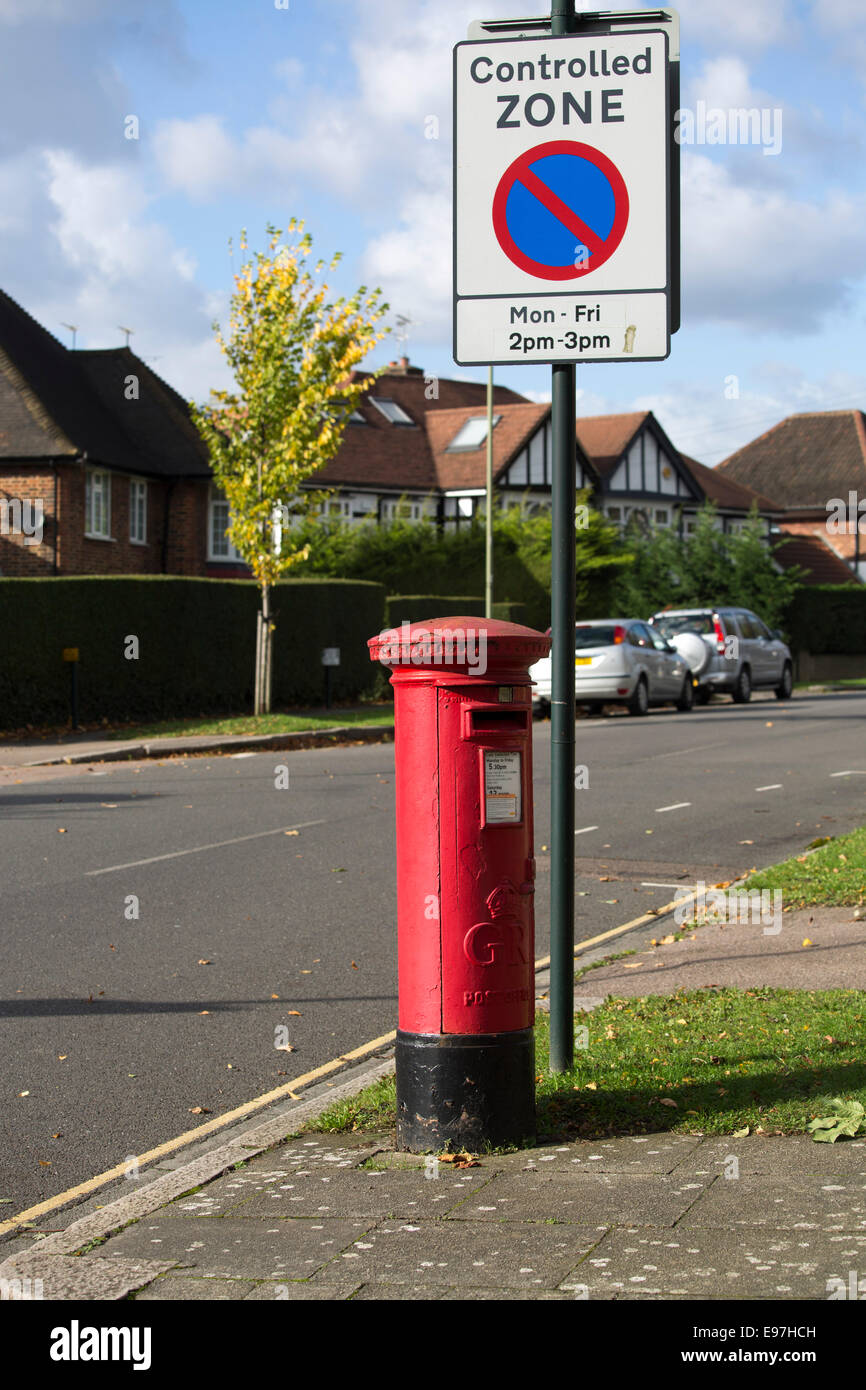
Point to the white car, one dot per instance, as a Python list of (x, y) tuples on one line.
[(621, 661)]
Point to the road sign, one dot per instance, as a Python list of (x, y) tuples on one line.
[(562, 194)]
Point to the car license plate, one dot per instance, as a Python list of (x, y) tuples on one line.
[(583, 661)]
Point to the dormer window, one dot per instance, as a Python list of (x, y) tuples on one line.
[(394, 413), (471, 435)]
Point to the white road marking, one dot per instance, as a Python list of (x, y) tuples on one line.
[(647, 884), (677, 806), (200, 849), (586, 829), (852, 772), (773, 787), (242, 755)]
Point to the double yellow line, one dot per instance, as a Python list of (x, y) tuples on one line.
[(289, 1088)]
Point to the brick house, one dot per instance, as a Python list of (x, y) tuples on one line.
[(814, 464), (108, 451), (104, 450)]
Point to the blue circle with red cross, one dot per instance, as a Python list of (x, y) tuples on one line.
[(560, 210)]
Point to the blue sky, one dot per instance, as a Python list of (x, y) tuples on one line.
[(250, 114)]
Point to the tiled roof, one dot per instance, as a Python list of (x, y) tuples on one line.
[(381, 454), (822, 566), (843, 542), (468, 468), (805, 459), (724, 491), (158, 423), (58, 403), (605, 438)]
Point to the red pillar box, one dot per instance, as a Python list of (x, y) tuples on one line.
[(465, 879)]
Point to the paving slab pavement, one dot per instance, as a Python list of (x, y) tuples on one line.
[(741, 955), (654, 1215)]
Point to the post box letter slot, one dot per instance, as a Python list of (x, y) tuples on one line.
[(493, 721)]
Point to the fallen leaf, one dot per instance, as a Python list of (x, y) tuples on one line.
[(294, 1013), (45, 1163), (745, 842), (285, 1047), (291, 832), (355, 967), (666, 1100), (769, 724), (668, 940), (591, 1086), (205, 962), (203, 1012), (24, 1093), (61, 1056), (306, 972), (633, 965), (275, 996), (199, 1110), (741, 1133), (807, 942), (61, 830)]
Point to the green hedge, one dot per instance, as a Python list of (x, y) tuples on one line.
[(196, 645), (824, 618), (416, 608)]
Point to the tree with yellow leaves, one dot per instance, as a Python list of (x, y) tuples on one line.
[(291, 355)]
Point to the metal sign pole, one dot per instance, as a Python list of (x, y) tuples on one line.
[(562, 701)]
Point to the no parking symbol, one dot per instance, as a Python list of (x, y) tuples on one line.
[(560, 210)]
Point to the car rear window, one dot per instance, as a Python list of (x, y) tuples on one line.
[(669, 627), (601, 636)]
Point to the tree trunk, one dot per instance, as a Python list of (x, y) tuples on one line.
[(264, 650)]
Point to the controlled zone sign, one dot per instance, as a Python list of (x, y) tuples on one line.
[(561, 199)]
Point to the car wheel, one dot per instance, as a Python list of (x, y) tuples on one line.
[(592, 708), (639, 702), (785, 687), (702, 695), (742, 691), (687, 695)]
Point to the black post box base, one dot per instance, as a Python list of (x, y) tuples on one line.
[(465, 1091)]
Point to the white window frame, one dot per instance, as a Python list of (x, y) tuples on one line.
[(231, 556), (102, 492), (391, 409), (137, 510), (471, 435), (404, 509)]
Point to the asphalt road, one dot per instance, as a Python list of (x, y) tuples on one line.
[(154, 946)]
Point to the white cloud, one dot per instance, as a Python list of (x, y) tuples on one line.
[(762, 259), (757, 25), (197, 155)]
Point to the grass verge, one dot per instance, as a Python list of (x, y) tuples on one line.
[(832, 875), (257, 724), (710, 1061)]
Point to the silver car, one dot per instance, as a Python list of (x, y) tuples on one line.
[(729, 649), (621, 661)]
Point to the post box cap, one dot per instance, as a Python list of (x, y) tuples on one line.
[(457, 642)]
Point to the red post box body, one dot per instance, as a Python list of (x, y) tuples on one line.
[(465, 879)]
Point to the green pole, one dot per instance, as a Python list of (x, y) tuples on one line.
[(562, 712)]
